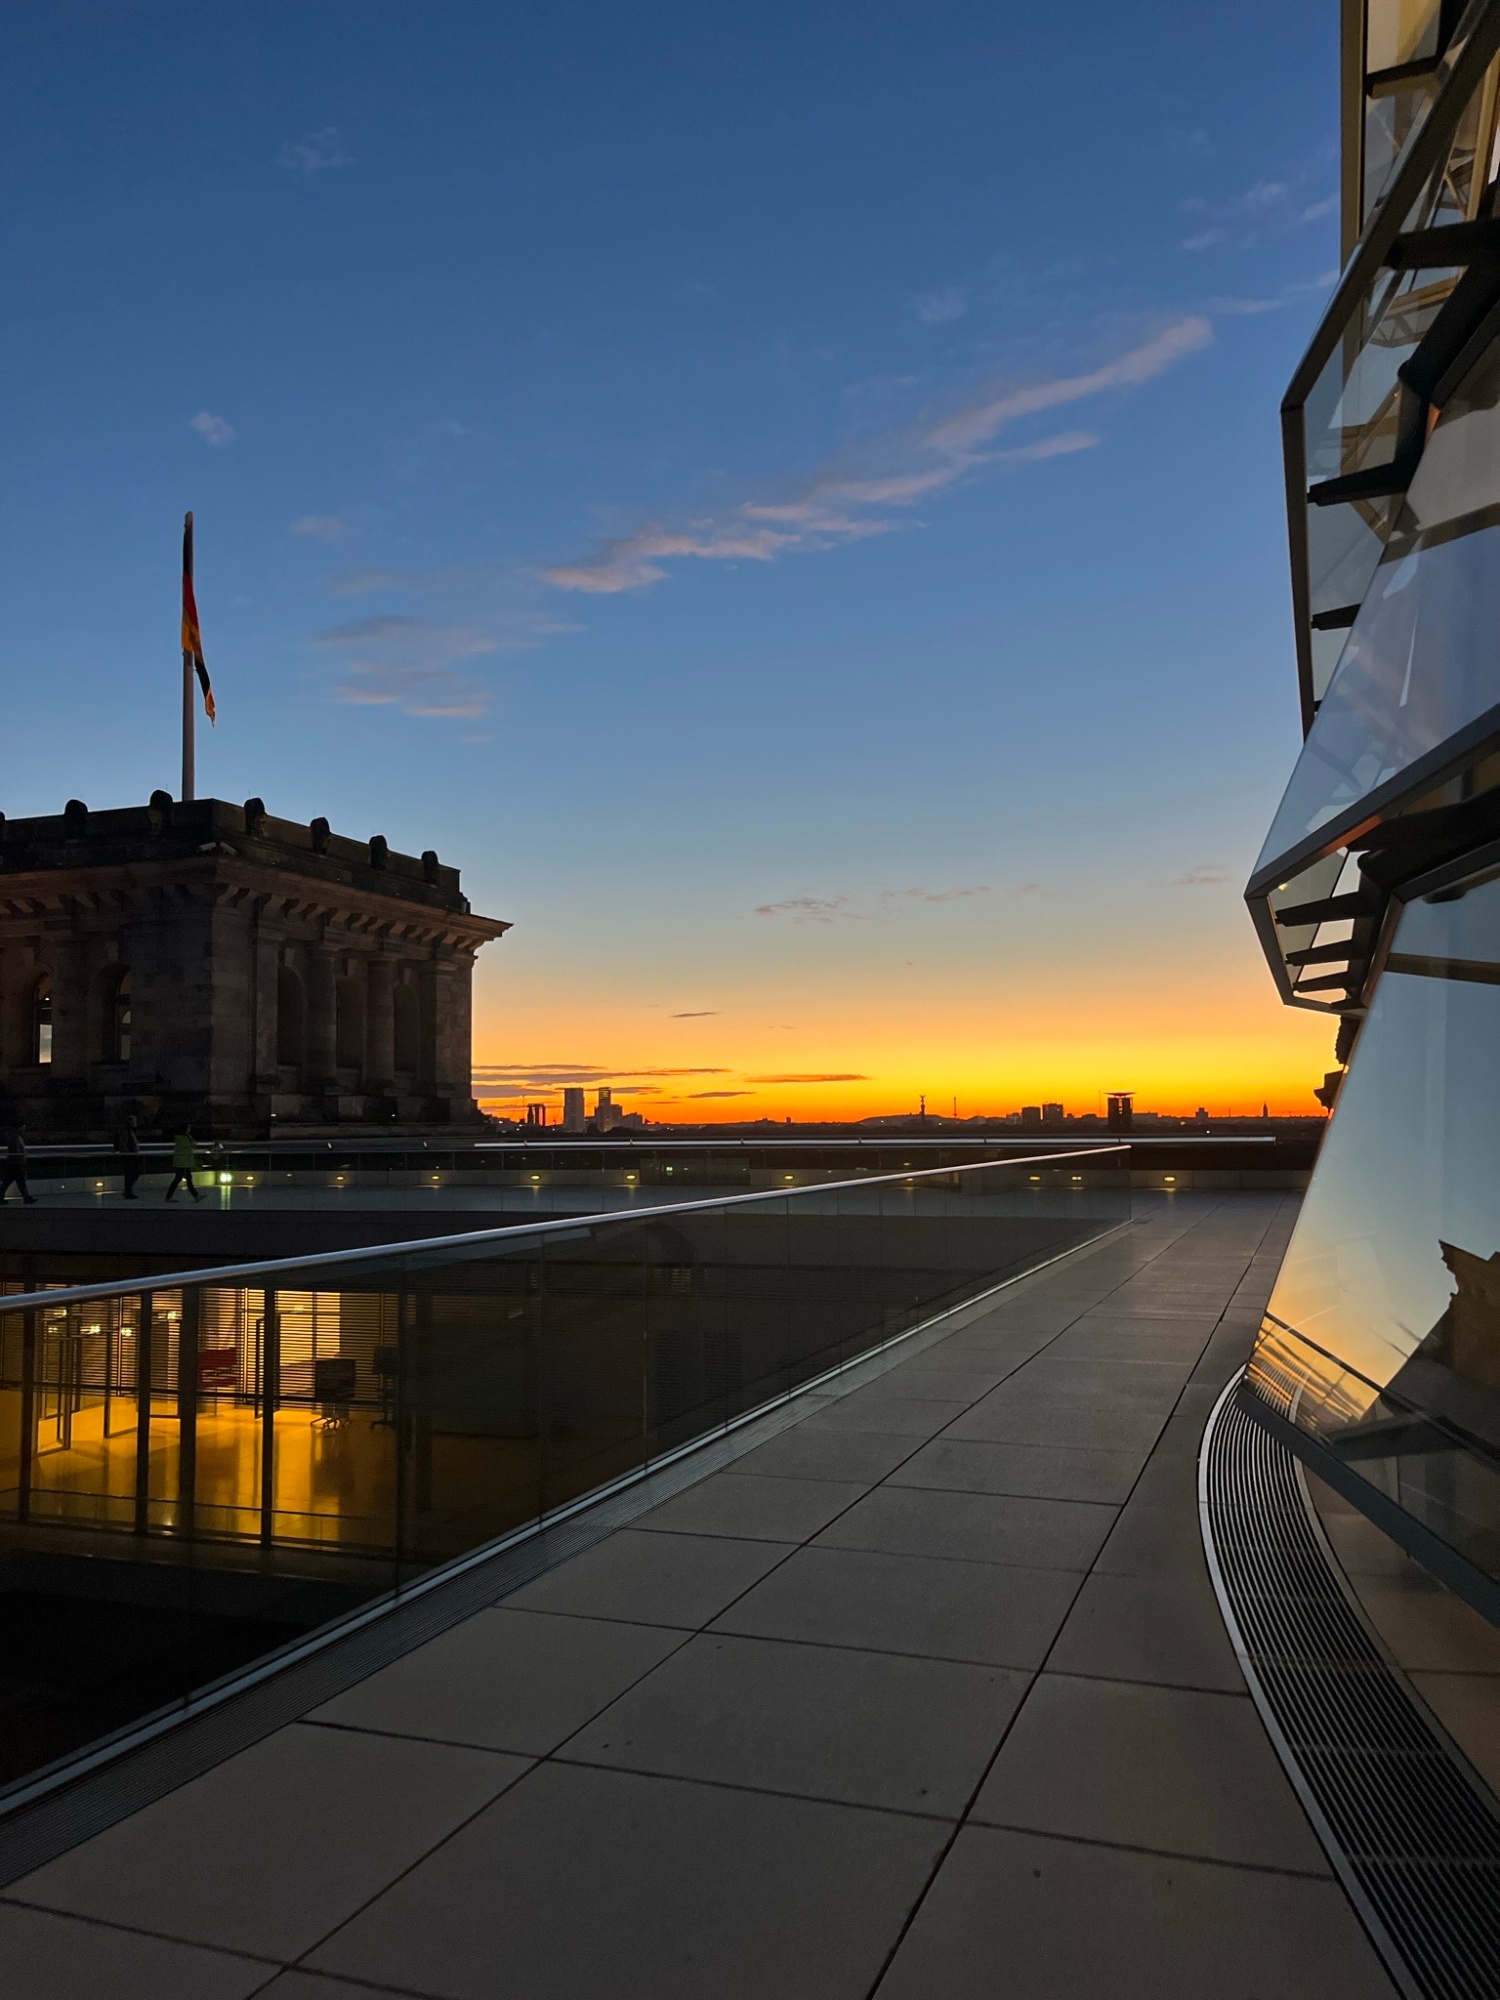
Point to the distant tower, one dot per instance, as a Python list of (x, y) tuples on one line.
[(574, 1118), (1121, 1114), (1265, 1110)]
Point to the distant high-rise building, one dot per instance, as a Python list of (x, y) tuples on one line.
[(1031, 1114), (606, 1112), (536, 1114), (1052, 1114), (1121, 1112), (575, 1118)]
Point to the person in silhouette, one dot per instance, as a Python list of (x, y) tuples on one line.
[(184, 1160), (15, 1166), (129, 1149)]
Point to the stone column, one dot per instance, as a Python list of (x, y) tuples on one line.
[(71, 1012), (265, 969), (380, 1029), (322, 1025)]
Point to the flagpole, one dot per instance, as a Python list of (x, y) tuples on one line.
[(187, 727)]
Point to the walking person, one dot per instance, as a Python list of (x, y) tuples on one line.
[(15, 1166), (184, 1160), (128, 1146)]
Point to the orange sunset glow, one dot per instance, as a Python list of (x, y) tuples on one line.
[(774, 1051)]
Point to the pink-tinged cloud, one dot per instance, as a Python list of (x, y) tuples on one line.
[(899, 471)]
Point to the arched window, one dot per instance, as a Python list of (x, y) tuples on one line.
[(41, 1019), (117, 1017), (349, 1017), (408, 1011), (291, 1019)]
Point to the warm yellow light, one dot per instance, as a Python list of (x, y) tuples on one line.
[(226, 1180), (98, 1184), (535, 1177), (1077, 1177), (1035, 1178), (1169, 1180)]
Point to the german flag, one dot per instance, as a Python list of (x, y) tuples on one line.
[(192, 638)]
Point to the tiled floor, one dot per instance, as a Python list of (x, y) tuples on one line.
[(927, 1696)]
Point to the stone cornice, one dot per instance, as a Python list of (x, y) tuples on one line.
[(226, 880)]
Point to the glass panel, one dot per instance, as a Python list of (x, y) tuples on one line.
[(1420, 662), (231, 1465), (1383, 1334), (1399, 31)]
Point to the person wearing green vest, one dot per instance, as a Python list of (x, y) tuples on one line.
[(184, 1160)]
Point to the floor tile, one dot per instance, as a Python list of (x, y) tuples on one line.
[(909, 1604), (899, 1416), (1153, 1385), (962, 1379), (1117, 1340), (761, 1509), (504, 1680), (295, 1985), (873, 1729), (681, 1580), (46, 1957), (1154, 1540), (1148, 1628), (1067, 1421), (269, 1851), (1018, 1917), (1166, 1768), (800, 1453), (978, 1527), (605, 1883), (1050, 1472)]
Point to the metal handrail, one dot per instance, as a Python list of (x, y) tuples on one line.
[(508, 1234)]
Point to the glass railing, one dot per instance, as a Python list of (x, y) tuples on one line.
[(215, 1463)]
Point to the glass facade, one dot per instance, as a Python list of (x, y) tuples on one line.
[(1377, 894)]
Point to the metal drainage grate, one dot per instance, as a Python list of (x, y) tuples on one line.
[(1413, 1837)]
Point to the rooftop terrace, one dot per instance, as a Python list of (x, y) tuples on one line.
[(916, 1685)]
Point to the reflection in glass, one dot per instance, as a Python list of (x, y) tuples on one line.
[(1382, 1338), (1421, 661)]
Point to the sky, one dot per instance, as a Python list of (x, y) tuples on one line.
[(786, 499)]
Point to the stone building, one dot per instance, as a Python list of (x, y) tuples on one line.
[(205, 962)]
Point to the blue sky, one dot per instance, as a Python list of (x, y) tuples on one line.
[(788, 501)]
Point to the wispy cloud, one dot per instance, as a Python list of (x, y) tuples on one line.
[(851, 498), (948, 302), (213, 430), (409, 663), (698, 1094), (551, 1076), (933, 895), (315, 153), (319, 527), (837, 909), (1266, 206), (695, 1014), (1199, 878), (815, 1076), (810, 909), (1241, 308)]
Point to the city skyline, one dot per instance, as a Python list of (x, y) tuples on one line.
[(637, 536)]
